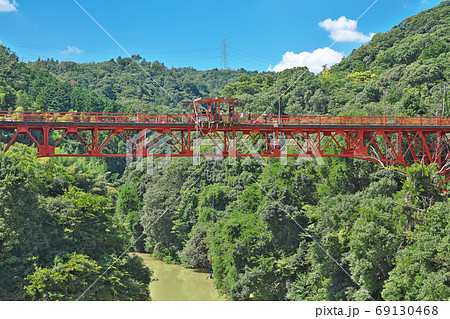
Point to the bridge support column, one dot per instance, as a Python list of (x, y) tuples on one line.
[(46, 149)]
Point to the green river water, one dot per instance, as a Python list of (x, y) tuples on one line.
[(177, 283)]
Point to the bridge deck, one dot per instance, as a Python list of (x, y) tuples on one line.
[(219, 126), (241, 119)]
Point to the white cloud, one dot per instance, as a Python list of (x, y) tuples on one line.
[(344, 30), (312, 60), (72, 49), (8, 6)]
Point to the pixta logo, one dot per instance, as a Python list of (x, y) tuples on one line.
[(149, 150)]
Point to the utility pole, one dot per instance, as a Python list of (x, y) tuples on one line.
[(384, 118), (138, 91), (279, 103), (443, 98)]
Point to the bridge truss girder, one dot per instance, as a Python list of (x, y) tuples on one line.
[(386, 145)]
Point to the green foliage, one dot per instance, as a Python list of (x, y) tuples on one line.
[(34, 88), (422, 269), (361, 77), (22, 222), (55, 238), (85, 223), (435, 50), (373, 244), (117, 80), (303, 232), (128, 206), (71, 275), (248, 85), (162, 189)]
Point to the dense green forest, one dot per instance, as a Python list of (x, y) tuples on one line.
[(345, 230), (58, 233), (118, 80)]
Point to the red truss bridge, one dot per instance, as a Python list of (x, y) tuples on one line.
[(218, 124)]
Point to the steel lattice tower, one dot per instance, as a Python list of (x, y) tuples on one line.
[(225, 54)]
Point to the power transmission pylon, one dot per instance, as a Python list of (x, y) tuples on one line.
[(225, 54)]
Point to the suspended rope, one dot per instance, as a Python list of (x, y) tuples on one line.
[(212, 217), (197, 141)]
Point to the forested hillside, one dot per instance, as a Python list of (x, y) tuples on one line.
[(338, 229), (118, 80)]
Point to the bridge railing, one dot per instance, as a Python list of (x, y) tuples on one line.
[(78, 117)]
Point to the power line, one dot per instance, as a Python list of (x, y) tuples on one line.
[(181, 51), (123, 49), (58, 49), (245, 62), (196, 59), (326, 51), (250, 58), (147, 228), (252, 55)]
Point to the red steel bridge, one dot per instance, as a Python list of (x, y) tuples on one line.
[(387, 140)]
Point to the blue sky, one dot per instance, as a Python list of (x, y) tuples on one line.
[(262, 35)]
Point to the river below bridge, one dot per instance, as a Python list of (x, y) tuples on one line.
[(177, 283)]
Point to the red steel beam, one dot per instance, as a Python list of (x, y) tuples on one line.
[(390, 140)]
